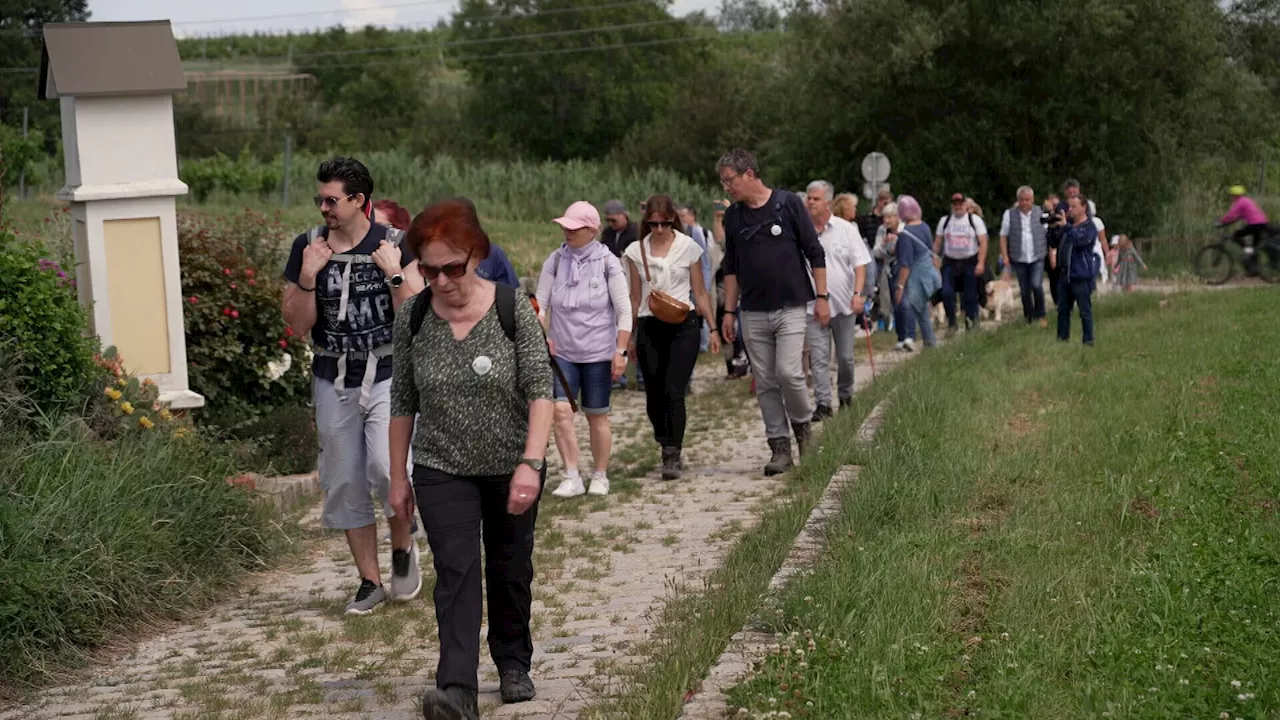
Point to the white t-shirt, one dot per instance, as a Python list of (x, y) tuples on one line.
[(670, 273), (960, 241), (1026, 246), (845, 249), (1098, 249)]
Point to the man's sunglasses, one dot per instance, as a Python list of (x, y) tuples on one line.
[(453, 270), (323, 202)]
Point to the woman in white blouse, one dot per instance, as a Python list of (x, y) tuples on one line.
[(666, 353)]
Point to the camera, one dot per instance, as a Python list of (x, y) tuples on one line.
[(1046, 218)]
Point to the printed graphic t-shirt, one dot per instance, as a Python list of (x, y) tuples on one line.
[(369, 317)]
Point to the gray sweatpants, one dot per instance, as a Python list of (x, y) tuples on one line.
[(775, 346), (842, 328), (355, 453)]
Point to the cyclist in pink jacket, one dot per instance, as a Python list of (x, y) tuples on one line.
[(1243, 208)]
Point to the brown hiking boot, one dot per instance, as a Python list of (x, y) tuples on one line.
[(671, 464), (802, 437), (781, 460)]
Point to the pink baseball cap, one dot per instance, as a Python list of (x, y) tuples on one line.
[(579, 215)]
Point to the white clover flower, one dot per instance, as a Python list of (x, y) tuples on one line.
[(1235, 684)]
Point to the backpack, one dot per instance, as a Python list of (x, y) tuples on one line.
[(506, 301), (987, 275)]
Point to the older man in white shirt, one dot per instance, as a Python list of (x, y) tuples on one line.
[(1023, 247), (847, 262)]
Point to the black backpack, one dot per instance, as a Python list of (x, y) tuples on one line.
[(506, 301)]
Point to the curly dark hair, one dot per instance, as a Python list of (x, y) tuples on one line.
[(355, 177)]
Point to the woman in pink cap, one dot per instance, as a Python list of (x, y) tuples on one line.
[(584, 291)]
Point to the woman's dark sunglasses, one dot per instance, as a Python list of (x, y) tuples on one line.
[(321, 202), (453, 270), (662, 224)]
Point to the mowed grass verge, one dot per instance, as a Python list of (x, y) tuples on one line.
[(1051, 531)]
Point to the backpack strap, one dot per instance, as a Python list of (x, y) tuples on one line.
[(419, 312), (506, 302)]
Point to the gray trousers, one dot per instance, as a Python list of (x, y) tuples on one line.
[(775, 346), (842, 328)]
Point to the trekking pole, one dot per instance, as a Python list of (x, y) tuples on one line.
[(870, 357)]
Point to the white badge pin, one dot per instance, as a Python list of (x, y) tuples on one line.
[(776, 230), (482, 365), (595, 283)]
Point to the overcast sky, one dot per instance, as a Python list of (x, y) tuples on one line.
[(230, 16)]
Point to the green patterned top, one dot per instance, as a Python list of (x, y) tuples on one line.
[(472, 395)]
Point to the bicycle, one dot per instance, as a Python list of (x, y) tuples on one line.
[(1215, 263)]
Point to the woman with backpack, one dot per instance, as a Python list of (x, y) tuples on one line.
[(918, 278), (471, 358), (665, 268), (582, 294)]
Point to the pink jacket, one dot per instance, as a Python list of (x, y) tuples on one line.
[(1247, 210)]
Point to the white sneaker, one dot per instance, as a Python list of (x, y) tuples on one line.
[(908, 346), (571, 486), (899, 345), (599, 484)]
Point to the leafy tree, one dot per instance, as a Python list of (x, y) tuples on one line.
[(748, 15), (20, 45), (561, 79)]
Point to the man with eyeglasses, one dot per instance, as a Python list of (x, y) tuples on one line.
[(771, 252), (344, 281)]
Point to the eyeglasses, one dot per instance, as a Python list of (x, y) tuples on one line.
[(453, 270), (661, 224), (323, 202), (727, 181)]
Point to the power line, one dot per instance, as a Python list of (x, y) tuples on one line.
[(539, 53), (311, 13)]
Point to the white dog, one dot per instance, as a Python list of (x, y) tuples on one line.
[(1001, 296)]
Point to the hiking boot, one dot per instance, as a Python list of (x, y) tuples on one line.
[(406, 576), (802, 431), (671, 465), (781, 460), (516, 686), (571, 486), (451, 703), (822, 412), (368, 597), (599, 483), (845, 402)]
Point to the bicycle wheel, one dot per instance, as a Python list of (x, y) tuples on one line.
[(1269, 262), (1214, 264)]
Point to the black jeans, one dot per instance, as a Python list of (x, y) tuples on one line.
[(965, 272), (1077, 292), (666, 355), (454, 511)]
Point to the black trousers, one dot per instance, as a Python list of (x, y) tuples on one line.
[(666, 355), (455, 510)]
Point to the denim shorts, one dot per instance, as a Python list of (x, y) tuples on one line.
[(590, 384)]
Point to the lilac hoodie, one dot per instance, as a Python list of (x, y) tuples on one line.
[(586, 292)]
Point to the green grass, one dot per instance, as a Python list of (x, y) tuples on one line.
[(696, 623), (97, 538), (1046, 530)]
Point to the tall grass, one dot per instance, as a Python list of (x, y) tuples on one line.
[(97, 537)]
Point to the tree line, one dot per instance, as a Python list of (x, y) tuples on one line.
[(1135, 98)]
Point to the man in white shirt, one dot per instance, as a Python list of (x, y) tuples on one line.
[(1023, 247), (847, 261), (1100, 249), (961, 240)]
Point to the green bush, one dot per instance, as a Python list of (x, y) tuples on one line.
[(96, 537), (244, 175), (231, 301), (46, 325)]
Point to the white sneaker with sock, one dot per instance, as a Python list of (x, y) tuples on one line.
[(571, 486), (599, 484)]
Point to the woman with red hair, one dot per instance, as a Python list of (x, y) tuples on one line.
[(389, 213), (484, 393)]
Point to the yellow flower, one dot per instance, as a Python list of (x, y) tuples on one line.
[(127, 407), (123, 383), (145, 422), (165, 414), (113, 393), (181, 433)]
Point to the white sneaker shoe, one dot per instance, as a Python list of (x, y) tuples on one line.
[(599, 484), (899, 345), (571, 486), (908, 346)]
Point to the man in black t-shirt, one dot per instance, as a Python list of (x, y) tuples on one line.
[(772, 264), (344, 281), (619, 231)]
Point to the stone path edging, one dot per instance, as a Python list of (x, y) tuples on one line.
[(748, 646)]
